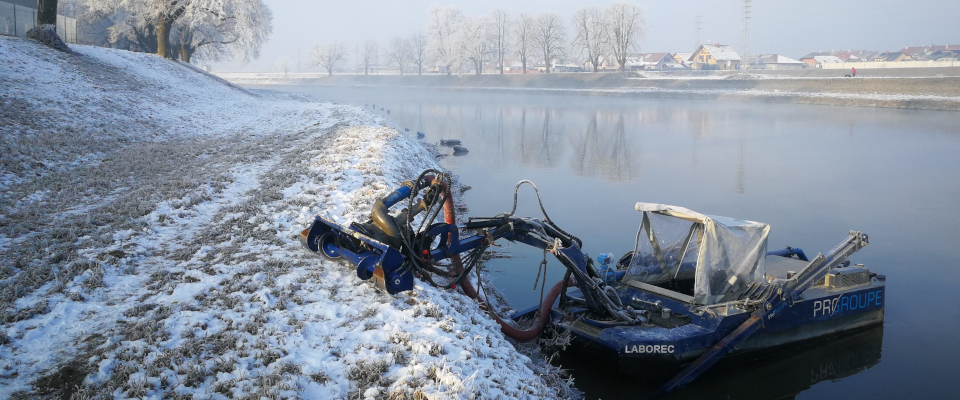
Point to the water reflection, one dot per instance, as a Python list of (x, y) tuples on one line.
[(603, 150), (594, 143), (777, 376)]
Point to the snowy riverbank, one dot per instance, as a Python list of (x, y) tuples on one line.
[(148, 244), (924, 90)]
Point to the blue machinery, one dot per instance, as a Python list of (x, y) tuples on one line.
[(377, 247), (600, 311)]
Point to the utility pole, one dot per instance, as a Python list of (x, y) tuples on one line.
[(697, 24), (746, 33)]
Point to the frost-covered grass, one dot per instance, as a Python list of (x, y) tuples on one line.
[(148, 245)]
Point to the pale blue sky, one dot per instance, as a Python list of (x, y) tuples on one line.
[(792, 28)]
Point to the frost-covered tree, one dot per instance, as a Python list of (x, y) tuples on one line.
[(445, 24), (550, 35), (626, 25), (215, 27), (418, 50), (476, 35), (500, 27), (239, 32), (398, 53), (524, 29), (370, 50), (592, 38), (327, 56)]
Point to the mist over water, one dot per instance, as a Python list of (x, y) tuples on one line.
[(812, 172)]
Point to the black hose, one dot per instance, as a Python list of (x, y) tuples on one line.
[(546, 218)]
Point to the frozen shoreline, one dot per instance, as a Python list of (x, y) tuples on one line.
[(148, 242), (933, 92)]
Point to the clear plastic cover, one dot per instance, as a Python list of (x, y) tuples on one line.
[(722, 254), (670, 235)]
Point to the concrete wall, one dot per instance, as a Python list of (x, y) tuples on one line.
[(899, 64)]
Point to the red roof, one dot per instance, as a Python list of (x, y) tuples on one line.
[(915, 50)]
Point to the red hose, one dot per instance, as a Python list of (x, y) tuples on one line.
[(449, 215)]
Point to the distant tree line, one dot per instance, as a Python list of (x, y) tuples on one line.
[(456, 43)]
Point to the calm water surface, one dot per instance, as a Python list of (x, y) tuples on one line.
[(812, 172)]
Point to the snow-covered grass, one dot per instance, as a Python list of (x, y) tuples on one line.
[(148, 245)]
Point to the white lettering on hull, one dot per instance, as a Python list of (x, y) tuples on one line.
[(648, 349), (847, 302)]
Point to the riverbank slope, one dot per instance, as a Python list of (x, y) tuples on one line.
[(927, 88), (148, 244)]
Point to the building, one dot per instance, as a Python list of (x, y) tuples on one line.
[(566, 66), (682, 59), (891, 57), (715, 56), (843, 56), (650, 61), (774, 61), (925, 53), (945, 56)]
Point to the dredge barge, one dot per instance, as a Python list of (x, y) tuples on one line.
[(694, 288)]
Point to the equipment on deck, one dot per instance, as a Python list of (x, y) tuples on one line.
[(694, 288)]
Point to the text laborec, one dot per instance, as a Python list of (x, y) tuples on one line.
[(847, 302), (654, 349)]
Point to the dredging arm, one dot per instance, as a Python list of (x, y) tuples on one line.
[(782, 296)]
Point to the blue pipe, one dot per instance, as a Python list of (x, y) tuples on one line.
[(789, 252), (401, 193)]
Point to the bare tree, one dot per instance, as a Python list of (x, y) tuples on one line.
[(592, 38), (500, 26), (283, 65), (444, 31), (370, 49), (476, 41), (550, 35), (398, 53), (626, 25), (327, 56), (524, 29), (418, 50)]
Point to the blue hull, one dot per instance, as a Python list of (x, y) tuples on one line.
[(654, 351)]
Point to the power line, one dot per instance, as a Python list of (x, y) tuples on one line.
[(698, 23), (746, 32)]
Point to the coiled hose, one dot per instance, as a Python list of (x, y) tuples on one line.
[(449, 215)]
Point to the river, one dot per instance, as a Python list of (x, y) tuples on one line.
[(812, 172)]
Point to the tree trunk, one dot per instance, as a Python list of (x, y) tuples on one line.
[(524, 65), (47, 12), (146, 39), (163, 37), (185, 53)]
